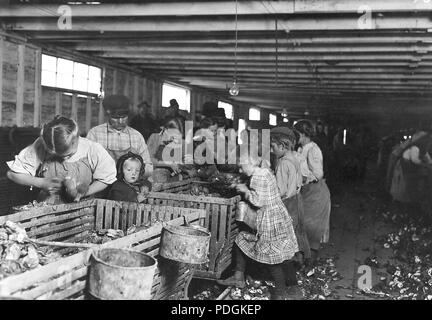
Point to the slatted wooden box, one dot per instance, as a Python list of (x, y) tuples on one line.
[(66, 278), (220, 221)]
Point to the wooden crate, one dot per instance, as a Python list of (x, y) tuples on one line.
[(220, 221), (66, 278)]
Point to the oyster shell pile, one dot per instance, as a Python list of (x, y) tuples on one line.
[(30, 205), (316, 282), (17, 256), (409, 275), (254, 290)]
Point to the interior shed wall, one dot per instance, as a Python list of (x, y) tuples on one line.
[(25, 103)]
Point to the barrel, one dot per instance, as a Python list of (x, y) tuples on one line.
[(119, 274), (185, 244)]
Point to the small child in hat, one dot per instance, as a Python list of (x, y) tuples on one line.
[(130, 185)]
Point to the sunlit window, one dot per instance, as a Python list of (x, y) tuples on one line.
[(181, 94), (228, 109), (254, 114), (272, 119), (70, 75)]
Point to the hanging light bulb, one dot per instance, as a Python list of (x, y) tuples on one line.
[(284, 113), (234, 90)]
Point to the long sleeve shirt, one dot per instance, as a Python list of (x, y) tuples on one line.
[(314, 159), (288, 176)]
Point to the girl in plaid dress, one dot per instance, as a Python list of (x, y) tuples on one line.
[(274, 240), (289, 179)]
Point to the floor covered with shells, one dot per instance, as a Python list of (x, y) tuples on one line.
[(378, 249)]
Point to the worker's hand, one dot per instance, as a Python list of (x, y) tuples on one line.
[(52, 185), (141, 197), (242, 188), (175, 168), (81, 192), (144, 190), (78, 197)]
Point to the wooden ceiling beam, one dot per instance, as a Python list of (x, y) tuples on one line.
[(284, 64), (257, 48), (266, 56), (187, 24), (224, 82), (217, 8), (403, 70), (282, 75), (306, 37), (257, 40)]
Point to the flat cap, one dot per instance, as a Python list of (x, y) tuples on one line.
[(116, 105), (289, 133)]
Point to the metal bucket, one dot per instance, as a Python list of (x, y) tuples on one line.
[(242, 208), (246, 215), (185, 244), (118, 274)]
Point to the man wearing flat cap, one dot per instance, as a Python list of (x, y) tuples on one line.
[(116, 136)]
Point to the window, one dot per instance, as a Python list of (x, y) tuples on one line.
[(241, 128), (70, 75), (272, 119), (228, 109), (254, 114), (181, 94)]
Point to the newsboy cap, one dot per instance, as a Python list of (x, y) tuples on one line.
[(116, 105)]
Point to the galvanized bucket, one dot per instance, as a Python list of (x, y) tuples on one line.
[(118, 274), (246, 215), (185, 244)]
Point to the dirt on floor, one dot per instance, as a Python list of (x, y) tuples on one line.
[(378, 249)]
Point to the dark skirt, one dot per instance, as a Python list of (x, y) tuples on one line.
[(317, 206), (295, 209), (413, 180)]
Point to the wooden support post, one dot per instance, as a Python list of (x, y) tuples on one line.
[(38, 89), (114, 79), (194, 103), (74, 107), (20, 87), (101, 116), (156, 92), (88, 113), (145, 92), (126, 86), (135, 95), (1, 79), (58, 105)]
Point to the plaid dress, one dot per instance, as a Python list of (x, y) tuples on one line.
[(275, 239)]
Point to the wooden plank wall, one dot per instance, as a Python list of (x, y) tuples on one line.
[(25, 103)]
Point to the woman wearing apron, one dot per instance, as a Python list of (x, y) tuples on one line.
[(315, 193), (63, 165)]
